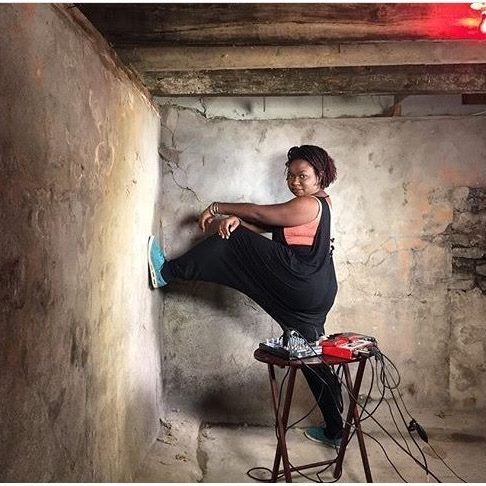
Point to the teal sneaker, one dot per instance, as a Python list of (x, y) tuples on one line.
[(318, 434), (156, 260)]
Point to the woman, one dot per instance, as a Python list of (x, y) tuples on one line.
[(291, 276)]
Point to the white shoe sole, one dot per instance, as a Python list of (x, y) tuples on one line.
[(153, 274)]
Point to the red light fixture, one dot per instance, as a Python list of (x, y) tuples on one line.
[(481, 7)]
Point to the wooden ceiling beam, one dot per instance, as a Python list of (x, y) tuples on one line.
[(373, 80), (129, 25), (191, 58), (239, 49)]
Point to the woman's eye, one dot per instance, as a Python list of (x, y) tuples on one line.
[(303, 176)]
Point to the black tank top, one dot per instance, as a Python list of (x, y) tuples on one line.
[(319, 254)]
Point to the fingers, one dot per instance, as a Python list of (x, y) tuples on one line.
[(223, 230), (200, 221), (227, 227), (205, 221)]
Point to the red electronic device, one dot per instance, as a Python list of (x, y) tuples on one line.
[(347, 345)]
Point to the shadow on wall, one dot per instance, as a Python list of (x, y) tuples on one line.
[(211, 332)]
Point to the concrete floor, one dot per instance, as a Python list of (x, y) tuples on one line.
[(187, 451)]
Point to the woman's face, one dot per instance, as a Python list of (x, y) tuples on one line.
[(302, 178)]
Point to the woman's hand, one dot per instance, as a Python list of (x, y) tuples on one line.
[(226, 226), (205, 219)]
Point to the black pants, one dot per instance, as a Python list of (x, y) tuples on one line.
[(257, 267)]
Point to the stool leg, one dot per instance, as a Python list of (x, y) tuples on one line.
[(353, 415), (281, 419), (359, 433), (285, 418)]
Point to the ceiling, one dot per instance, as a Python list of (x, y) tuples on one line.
[(297, 49)]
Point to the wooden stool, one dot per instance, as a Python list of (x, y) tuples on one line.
[(282, 416)]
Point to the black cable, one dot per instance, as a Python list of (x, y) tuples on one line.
[(384, 430), (386, 455), (289, 427), (332, 395), (385, 381), (365, 433), (391, 411), (351, 435), (340, 380), (350, 393), (396, 383), (307, 414), (330, 368), (362, 419), (339, 405), (369, 390), (304, 475), (446, 465), (403, 402), (386, 385), (404, 421), (277, 432), (248, 473), (400, 446), (279, 401), (318, 474), (438, 456)]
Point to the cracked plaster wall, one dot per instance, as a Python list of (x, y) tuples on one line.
[(80, 378), (393, 199)]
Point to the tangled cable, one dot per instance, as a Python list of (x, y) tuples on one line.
[(387, 378)]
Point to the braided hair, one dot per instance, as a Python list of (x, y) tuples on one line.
[(319, 159)]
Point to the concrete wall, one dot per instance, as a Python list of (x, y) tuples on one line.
[(80, 385), (393, 203)]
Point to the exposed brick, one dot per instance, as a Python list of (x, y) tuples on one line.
[(460, 240), (466, 283), (463, 265), (469, 222), (473, 253), (467, 236), (481, 269), (476, 199), (482, 284)]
